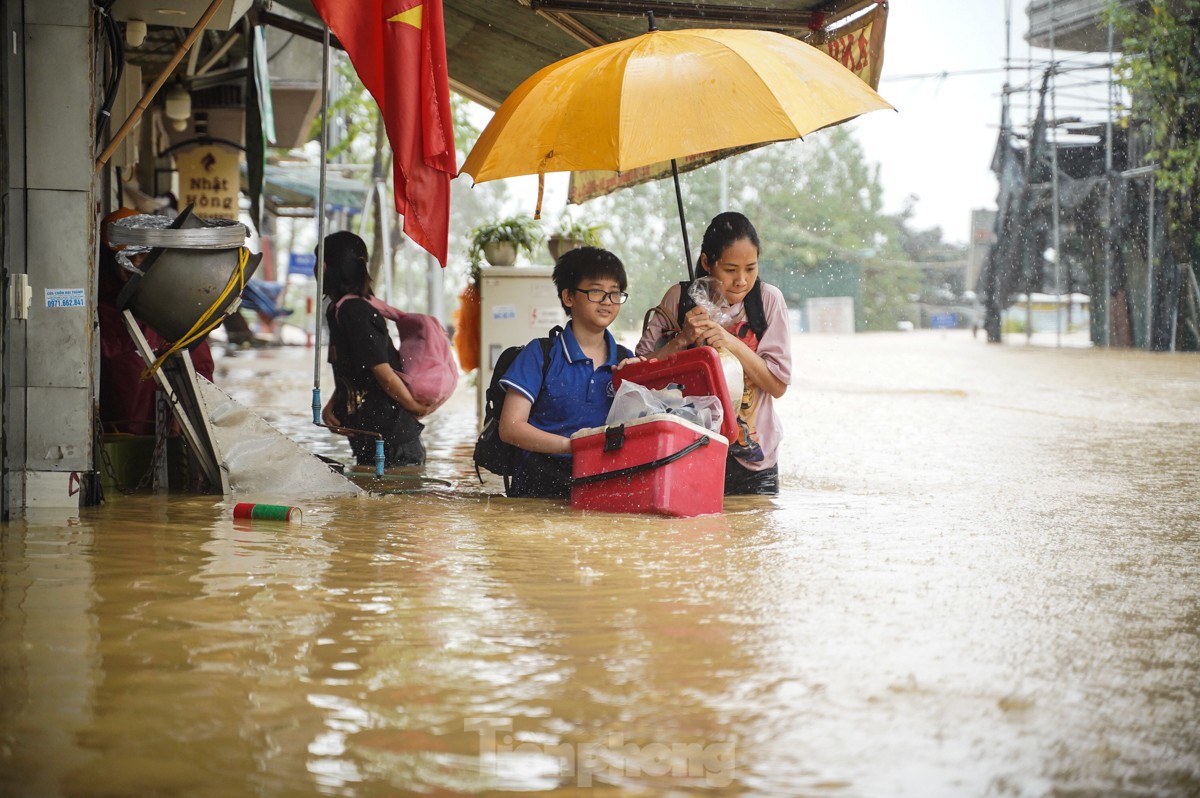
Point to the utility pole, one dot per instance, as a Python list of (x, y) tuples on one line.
[(1108, 214), (1058, 259)]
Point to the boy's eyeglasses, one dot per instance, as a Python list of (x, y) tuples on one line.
[(597, 295)]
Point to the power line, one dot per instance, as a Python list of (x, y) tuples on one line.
[(943, 74), (1062, 65)]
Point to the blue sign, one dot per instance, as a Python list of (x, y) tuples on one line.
[(302, 263), (943, 321)]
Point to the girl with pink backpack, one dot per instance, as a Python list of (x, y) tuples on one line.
[(379, 390)]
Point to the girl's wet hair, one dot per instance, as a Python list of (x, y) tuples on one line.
[(723, 230), (345, 266), (587, 263)]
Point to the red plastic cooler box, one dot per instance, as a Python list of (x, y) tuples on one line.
[(660, 463)]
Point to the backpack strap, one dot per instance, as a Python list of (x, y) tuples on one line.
[(686, 303), (493, 406), (381, 307), (546, 343), (670, 324), (555, 331), (337, 307)]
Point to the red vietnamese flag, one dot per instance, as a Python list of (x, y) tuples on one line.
[(398, 48)]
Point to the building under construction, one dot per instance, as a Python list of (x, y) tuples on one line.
[(1078, 206)]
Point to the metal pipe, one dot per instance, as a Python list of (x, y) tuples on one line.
[(193, 57), (144, 103), (1108, 218), (1058, 258), (222, 48), (385, 237), (434, 287), (1140, 171), (1150, 266), (319, 267)]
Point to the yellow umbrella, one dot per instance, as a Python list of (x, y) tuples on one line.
[(665, 95)]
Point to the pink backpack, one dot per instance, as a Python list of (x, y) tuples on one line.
[(430, 370)]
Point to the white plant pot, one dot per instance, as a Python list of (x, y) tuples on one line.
[(560, 245), (500, 253)]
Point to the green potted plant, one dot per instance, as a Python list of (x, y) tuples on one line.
[(499, 242), (571, 234)]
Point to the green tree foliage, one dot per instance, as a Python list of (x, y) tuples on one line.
[(817, 204), (887, 292), (1161, 69)]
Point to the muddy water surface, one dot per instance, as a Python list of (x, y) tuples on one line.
[(981, 578)]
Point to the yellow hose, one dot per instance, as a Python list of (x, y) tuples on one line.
[(199, 330)]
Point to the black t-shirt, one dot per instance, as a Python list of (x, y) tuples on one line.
[(359, 341)]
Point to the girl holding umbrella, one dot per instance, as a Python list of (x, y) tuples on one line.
[(757, 334)]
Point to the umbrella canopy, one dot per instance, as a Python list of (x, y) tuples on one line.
[(665, 95)]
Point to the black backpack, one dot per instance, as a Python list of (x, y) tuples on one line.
[(491, 453)]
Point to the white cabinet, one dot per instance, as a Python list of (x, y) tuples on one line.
[(517, 304)]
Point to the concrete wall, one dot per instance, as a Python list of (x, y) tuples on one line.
[(48, 232)]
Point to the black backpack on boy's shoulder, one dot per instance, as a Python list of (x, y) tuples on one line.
[(491, 453)]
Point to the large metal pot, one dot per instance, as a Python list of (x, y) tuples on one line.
[(188, 267)]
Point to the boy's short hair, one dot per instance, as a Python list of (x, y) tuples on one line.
[(587, 263)]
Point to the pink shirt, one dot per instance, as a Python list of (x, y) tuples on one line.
[(775, 348)]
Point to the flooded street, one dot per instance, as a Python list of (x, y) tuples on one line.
[(980, 578)]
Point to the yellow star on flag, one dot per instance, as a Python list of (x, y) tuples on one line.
[(410, 17)]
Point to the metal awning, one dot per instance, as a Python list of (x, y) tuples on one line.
[(292, 190), (493, 45)]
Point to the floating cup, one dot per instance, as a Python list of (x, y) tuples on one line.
[(266, 512)]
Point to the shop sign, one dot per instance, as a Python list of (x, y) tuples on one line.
[(209, 180)]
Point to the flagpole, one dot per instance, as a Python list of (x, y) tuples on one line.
[(319, 269)]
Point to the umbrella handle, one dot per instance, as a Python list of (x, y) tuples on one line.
[(687, 249)]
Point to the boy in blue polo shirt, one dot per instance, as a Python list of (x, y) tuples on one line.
[(539, 416)]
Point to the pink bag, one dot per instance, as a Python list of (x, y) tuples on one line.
[(430, 370)]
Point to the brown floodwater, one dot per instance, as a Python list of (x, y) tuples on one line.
[(981, 577)]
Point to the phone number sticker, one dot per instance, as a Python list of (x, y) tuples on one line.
[(65, 298)]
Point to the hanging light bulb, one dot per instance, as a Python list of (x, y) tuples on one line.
[(179, 107)]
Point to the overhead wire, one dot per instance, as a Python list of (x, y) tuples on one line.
[(114, 69)]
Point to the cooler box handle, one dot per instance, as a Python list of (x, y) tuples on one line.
[(637, 469)]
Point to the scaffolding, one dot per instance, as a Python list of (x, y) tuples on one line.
[(1078, 208)]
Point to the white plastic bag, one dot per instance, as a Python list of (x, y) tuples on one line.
[(706, 411), (735, 377), (633, 401), (707, 294)]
